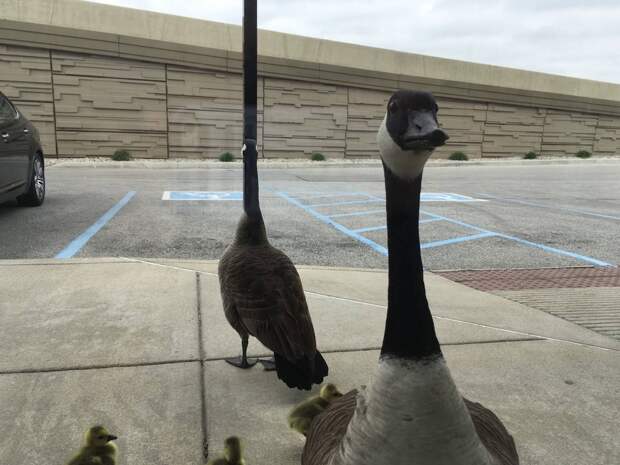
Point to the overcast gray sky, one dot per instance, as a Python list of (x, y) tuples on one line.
[(578, 38)]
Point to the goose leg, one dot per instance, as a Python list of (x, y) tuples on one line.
[(268, 364), (243, 361)]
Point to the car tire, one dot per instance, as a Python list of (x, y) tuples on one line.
[(35, 195)]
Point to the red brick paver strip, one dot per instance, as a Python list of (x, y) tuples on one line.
[(537, 278)]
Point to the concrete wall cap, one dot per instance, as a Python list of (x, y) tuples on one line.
[(148, 25)]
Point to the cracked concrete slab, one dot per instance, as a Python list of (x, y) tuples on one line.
[(559, 400), (154, 411), (370, 286), (452, 300), (339, 325), (76, 315)]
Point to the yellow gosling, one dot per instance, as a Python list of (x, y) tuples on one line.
[(98, 448), (233, 453), (301, 416)]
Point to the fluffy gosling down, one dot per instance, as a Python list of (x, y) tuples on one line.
[(98, 448), (301, 416), (233, 453)]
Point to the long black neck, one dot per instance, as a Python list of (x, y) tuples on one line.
[(253, 217), (251, 204), (409, 329)]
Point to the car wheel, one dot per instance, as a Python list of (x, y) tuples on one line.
[(35, 195)]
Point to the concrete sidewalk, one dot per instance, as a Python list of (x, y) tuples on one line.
[(138, 345)]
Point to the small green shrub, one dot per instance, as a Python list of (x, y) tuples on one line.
[(121, 155), (460, 156), (227, 156), (316, 156), (583, 154), (530, 156)]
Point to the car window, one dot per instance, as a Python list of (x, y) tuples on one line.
[(7, 112)]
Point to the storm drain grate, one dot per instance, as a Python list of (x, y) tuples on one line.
[(589, 297)]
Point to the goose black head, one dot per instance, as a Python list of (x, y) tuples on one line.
[(98, 436), (409, 132)]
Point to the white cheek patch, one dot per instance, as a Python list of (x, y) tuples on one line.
[(406, 164)]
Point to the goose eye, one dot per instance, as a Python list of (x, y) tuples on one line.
[(393, 106)]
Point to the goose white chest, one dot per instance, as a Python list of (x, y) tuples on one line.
[(411, 410)]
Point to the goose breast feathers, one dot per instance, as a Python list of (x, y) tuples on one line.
[(329, 428)]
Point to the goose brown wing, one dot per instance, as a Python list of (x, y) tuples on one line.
[(493, 434), (327, 430), (269, 300)]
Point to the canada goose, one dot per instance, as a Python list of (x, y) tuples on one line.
[(412, 412), (261, 289), (233, 453), (302, 415), (97, 450)]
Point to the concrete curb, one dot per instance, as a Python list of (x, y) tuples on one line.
[(280, 164)]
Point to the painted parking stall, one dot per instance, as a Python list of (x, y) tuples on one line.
[(80, 241), (321, 211), (187, 214), (202, 195)]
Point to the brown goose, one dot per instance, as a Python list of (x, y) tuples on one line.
[(412, 413), (261, 290)]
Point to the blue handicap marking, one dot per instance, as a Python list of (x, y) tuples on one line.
[(446, 197), (202, 195)]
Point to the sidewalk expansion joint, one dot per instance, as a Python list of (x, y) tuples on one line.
[(163, 265), (63, 263), (96, 367), (203, 388), (377, 348)]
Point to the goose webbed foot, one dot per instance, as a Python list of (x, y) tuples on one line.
[(268, 364), (242, 362)]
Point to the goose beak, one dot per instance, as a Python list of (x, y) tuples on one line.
[(111, 437), (422, 132)]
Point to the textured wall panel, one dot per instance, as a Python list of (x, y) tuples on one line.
[(566, 133), (101, 66), (304, 117), (98, 94), (205, 113), (41, 114), (100, 104), (25, 74), (366, 111), (104, 144), (464, 123), (25, 77), (607, 139), (67, 25), (512, 131)]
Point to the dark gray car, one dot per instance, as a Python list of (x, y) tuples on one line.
[(22, 168)]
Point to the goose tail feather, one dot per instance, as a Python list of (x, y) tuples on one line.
[(303, 372)]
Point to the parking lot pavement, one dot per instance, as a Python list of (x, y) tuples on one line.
[(473, 217), (138, 346)]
